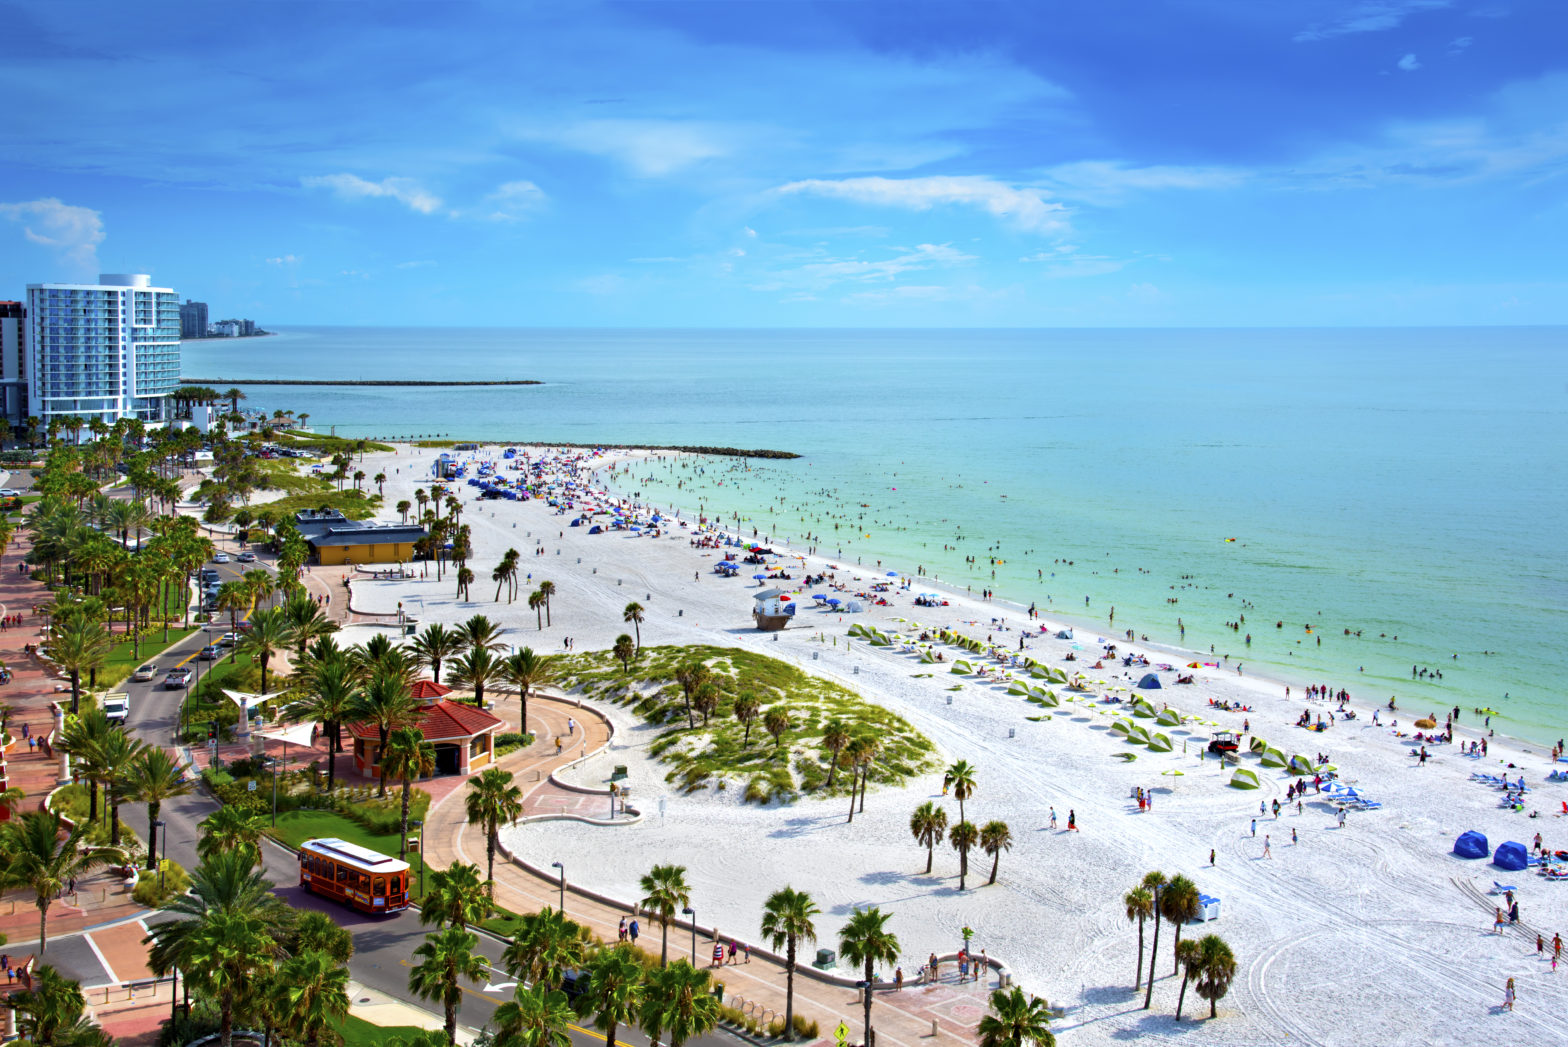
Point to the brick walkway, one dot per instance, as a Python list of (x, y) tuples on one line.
[(902, 1019)]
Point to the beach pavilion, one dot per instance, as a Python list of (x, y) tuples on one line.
[(464, 736)]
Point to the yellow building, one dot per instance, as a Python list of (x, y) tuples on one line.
[(338, 540)]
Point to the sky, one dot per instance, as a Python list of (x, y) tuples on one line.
[(758, 164)]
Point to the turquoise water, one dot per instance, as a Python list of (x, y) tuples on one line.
[(1403, 483)]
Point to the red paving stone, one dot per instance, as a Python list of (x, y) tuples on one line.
[(121, 946)]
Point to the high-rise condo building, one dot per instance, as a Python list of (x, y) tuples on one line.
[(108, 350), (13, 358), (193, 319)]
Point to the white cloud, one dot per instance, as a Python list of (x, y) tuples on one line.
[(1060, 265), (650, 147), (923, 256), (514, 201), (750, 232), (286, 259), (1025, 207), (352, 187), (420, 264), (1108, 181), (1409, 63), (1458, 44), (1372, 16), (73, 232)]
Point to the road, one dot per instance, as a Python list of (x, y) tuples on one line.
[(383, 946)]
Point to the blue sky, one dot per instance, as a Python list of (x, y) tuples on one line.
[(1123, 162)]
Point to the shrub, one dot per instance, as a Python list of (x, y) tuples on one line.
[(804, 1029), (175, 881)]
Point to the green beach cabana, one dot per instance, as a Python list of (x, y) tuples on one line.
[(1244, 779)]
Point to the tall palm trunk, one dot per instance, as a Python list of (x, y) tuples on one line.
[(1137, 978), (1154, 955), (1182, 995), (789, 990)]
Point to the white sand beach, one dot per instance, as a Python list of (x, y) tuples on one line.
[(1371, 933)]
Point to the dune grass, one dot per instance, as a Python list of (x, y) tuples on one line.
[(716, 753)]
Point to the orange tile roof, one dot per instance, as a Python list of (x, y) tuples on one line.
[(442, 721)]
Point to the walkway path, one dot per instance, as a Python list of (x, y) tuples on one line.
[(902, 1019)]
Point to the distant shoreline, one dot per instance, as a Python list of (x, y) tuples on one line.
[(718, 452), (230, 337), (351, 381)]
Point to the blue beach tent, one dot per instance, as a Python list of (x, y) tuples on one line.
[(1472, 845), (1512, 856), (1150, 682)]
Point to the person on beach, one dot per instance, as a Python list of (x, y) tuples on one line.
[(934, 968), (620, 932), (1211, 857), (1557, 946), (1508, 995), (1293, 837), (898, 979), (1266, 851), (1053, 818), (1254, 828), (632, 930), (1497, 919), (1072, 821)]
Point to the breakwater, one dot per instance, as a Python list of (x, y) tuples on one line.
[(355, 381)]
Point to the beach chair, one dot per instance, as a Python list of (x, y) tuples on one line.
[(1502, 888)]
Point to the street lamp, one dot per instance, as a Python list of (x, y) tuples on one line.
[(420, 825), (159, 823), (692, 913), (274, 760), (562, 904)]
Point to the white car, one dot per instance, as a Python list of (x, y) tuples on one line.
[(7, 492), (220, 558), (145, 673), (116, 706)]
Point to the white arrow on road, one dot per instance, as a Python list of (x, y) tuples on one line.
[(498, 986)]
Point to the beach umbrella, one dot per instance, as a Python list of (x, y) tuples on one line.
[(759, 577), (892, 574), (835, 601)]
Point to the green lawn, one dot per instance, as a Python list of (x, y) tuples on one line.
[(357, 1032), (123, 661)]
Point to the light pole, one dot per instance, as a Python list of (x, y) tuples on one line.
[(420, 825), (159, 823), (562, 904), (274, 760), (691, 914)]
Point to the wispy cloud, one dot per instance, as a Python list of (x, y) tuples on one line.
[(1409, 64), (1374, 16), (1457, 45), (649, 147), (74, 233), (285, 259), (923, 256), (352, 187), (420, 264), (1025, 207), (1109, 181), (514, 201), (1067, 263)]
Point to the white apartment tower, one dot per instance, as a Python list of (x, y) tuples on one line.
[(108, 350)]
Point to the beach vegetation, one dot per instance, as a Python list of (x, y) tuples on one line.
[(805, 756), (959, 779), (1216, 970), (995, 837), (928, 824), (963, 837)]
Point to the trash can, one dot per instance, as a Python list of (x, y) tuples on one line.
[(826, 958)]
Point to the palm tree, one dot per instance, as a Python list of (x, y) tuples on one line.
[(260, 584), (928, 825), (535, 1016), (406, 757), (119, 751), (1016, 1022), (314, 931), (787, 921), (747, 706), (87, 739), (1180, 904), (50, 1012), (79, 646), (233, 598), (691, 675), (446, 957), (307, 621), (614, 990), (547, 590), (1189, 955), (526, 671), (1216, 970), (995, 837), (865, 759), (480, 631), (402, 510), (536, 605), (835, 736), (545, 946), (1140, 906), (665, 892), (456, 896), (435, 645), (229, 829), (465, 578), (475, 668), (37, 857), (334, 698), (386, 702), (960, 778), (156, 777), (312, 996), (866, 939), (633, 613), (963, 837), (706, 700), (776, 722), (226, 933), (1155, 881), (624, 651), (381, 483), (853, 753), (677, 1003), (493, 799), (233, 396), (270, 632)]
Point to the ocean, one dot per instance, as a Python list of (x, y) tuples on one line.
[(1361, 503)]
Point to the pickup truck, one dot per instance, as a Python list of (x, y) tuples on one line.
[(117, 706)]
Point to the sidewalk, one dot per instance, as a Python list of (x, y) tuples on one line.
[(944, 1014)]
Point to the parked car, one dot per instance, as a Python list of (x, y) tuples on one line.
[(145, 673), (177, 679), (212, 652), (246, 557), (220, 557)]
